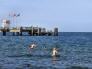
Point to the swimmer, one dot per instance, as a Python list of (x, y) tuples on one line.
[(32, 46), (54, 52)]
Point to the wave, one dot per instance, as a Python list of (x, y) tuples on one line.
[(29, 66), (31, 55), (77, 67)]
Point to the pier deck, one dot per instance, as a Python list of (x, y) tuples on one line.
[(32, 31)]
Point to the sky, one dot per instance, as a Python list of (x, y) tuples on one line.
[(67, 15)]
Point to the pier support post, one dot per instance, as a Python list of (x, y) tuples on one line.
[(13, 33), (38, 32), (21, 28), (55, 31), (4, 33), (21, 33), (32, 31), (17, 33)]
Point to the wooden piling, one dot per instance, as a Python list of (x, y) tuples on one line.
[(32, 31), (4, 33), (21, 28), (55, 31), (13, 33), (17, 33)]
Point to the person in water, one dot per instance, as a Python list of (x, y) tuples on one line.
[(54, 52), (32, 46)]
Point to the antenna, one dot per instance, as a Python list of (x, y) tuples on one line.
[(14, 18)]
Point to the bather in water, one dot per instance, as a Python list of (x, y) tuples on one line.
[(32, 46), (55, 52)]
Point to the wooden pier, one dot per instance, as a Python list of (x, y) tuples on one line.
[(32, 31)]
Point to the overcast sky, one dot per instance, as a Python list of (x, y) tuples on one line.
[(67, 15)]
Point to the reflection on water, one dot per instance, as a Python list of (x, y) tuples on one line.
[(75, 51)]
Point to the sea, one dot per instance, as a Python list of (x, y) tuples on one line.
[(74, 48)]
